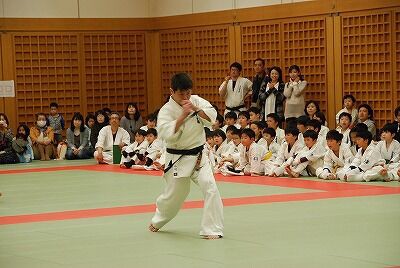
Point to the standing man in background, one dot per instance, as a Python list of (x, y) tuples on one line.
[(235, 89), (258, 81)]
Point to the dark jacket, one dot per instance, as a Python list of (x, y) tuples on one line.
[(280, 98)]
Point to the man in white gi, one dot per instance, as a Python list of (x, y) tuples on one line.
[(181, 123), (109, 136), (235, 89)]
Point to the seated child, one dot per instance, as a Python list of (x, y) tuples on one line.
[(344, 127), (230, 120), (336, 158), (209, 146), (366, 161), (255, 114), (271, 146), (353, 133), (22, 144), (315, 125), (232, 155), (273, 121), (258, 127), (389, 149), (129, 153), (154, 148), (301, 123), (221, 146), (151, 122), (251, 155), (350, 108), (309, 159), (243, 119), (292, 146), (218, 123)]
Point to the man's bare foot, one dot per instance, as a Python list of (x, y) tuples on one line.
[(331, 177), (383, 172), (212, 237), (152, 228)]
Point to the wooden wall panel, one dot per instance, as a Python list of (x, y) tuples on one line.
[(304, 44), (115, 70), (211, 62), (176, 56), (366, 40), (397, 60), (46, 70), (260, 40)]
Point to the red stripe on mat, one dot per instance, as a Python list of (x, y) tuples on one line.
[(102, 212)]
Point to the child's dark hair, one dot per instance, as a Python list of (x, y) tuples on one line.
[(254, 110), (235, 131), (181, 81), (366, 135), (270, 131), (45, 116), (334, 135), (302, 120), (310, 134), (137, 113), (297, 68), (316, 124), (344, 114), (308, 103), (220, 119), (231, 115), (107, 110), (275, 117), (208, 132), (249, 133), (152, 117), (260, 125), (349, 96), (389, 127), (321, 117), (292, 130), (53, 104), (231, 128), (78, 116), (245, 114), (152, 131), (369, 109), (236, 65), (141, 132), (219, 133)]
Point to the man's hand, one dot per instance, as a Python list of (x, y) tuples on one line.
[(188, 107), (100, 158)]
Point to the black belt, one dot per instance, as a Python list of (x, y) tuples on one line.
[(193, 151), (237, 108)]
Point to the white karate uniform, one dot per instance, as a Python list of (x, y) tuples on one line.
[(391, 156), (346, 135), (223, 148), (235, 97), (189, 135), (154, 149), (140, 147), (105, 141), (368, 162), (315, 160), (324, 130), (232, 152), (251, 159), (271, 151), (335, 164), (278, 165), (209, 153), (280, 135)]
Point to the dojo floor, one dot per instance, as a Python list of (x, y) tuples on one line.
[(78, 214)]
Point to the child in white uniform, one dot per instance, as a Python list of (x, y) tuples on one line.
[(129, 153)]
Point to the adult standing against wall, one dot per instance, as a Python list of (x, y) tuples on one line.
[(258, 81), (271, 96), (235, 89), (294, 93)]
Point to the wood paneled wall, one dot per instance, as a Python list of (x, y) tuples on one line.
[(85, 65)]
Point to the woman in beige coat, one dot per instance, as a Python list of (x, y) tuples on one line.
[(294, 93)]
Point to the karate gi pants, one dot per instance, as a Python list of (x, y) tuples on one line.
[(175, 193), (107, 157)]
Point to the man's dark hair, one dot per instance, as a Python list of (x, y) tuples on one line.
[(236, 65), (316, 124), (231, 115), (181, 81), (260, 59), (53, 104)]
